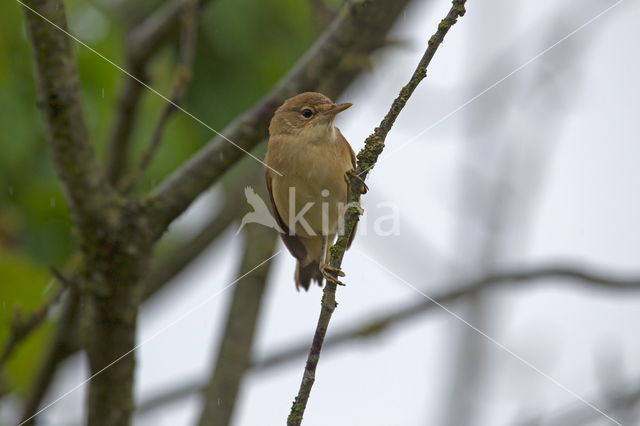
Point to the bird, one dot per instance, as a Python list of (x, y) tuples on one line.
[(260, 213), (309, 162)]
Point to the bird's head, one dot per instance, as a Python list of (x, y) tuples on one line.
[(307, 114)]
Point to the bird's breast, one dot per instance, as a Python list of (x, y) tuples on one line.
[(312, 186)]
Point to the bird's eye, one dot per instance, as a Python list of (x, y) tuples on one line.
[(307, 113)]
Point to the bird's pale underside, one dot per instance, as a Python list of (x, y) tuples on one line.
[(309, 197)]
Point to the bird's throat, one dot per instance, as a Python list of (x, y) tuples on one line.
[(320, 133)]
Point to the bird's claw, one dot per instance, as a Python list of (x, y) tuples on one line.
[(331, 273), (355, 175)]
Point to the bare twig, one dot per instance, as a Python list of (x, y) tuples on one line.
[(21, 327), (62, 278), (126, 114), (59, 349), (143, 43), (234, 355), (328, 66), (367, 158), (188, 41), (565, 273), (151, 35)]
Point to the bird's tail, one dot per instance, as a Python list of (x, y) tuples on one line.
[(305, 274)]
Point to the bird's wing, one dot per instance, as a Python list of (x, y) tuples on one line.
[(345, 145), (295, 246)]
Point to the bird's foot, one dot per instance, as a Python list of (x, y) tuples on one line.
[(352, 173), (331, 273)]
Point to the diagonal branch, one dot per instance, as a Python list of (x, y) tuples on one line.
[(367, 158), (625, 397), (22, 327), (517, 278), (63, 344), (85, 186), (328, 66)]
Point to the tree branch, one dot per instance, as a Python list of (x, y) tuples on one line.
[(591, 279), (143, 43), (234, 354), (90, 197), (60, 348), (328, 66), (21, 327), (588, 278), (367, 158), (188, 41), (152, 34)]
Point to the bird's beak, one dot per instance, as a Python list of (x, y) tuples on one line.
[(336, 109)]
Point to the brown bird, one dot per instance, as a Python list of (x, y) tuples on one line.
[(309, 194)]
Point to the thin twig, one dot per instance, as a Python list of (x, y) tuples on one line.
[(367, 158), (21, 327), (143, 43), (59, 349), (186, 55), (147, 38)]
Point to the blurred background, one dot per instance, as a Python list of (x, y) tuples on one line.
[(517, 152)]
